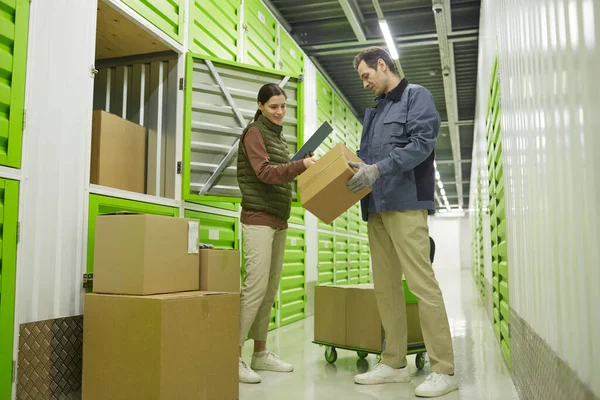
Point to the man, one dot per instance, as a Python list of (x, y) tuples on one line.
[(397, 146)]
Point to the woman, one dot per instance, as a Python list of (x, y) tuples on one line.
[(264, 173)]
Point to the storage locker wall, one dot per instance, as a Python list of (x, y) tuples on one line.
[(220, 101), (341, 260), (292, 290), (324, 114), (214, 28), (144, 91), (260, 39), (166, 15), (290, 55), (219, 230), (501, 309), (9, 202), (365, 261), (354, 261), (107, 205), (14, 21), (326, 266)]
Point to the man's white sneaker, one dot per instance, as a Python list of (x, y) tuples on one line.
[(247, 375), (437, 385), (267, 361), (383, 374)]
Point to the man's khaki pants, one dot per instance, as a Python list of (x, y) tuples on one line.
[(399, 242), (264, 248)]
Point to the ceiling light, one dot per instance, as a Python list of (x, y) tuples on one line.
[(437, 175), (443, 192), (440, 184), (385, 29), (434, 165)]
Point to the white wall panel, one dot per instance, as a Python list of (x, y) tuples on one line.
[(549, 57), (310, 126), (447, 236), (56, 146)]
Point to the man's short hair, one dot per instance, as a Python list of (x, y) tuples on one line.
[(371, 55)]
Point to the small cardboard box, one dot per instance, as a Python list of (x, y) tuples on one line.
[(118, 153), (323, 189), (145, 254), (161, 347), (220, 270), (348, 316)]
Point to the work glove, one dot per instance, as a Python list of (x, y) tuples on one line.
[(364, 178)]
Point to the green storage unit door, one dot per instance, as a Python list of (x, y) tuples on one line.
[(341, 223), (341, 260), (217, 96), (108, 205), (9, 202), (326, 257), (290, 55), (354, 220), (219, 230), (354, 260), (297, 215), (14, 24), (339, 115), (365, 262), (260, 43), (214, 28), (166, 15), (292, 289)]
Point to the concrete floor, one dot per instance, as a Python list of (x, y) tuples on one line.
[(482, 372)]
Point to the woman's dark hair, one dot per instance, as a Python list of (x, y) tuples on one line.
[(265, 93)]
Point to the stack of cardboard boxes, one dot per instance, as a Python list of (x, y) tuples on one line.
[(149, 333)]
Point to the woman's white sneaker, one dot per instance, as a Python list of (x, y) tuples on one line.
[(436, 385), (247, 375), (267, 361), (383, 374)]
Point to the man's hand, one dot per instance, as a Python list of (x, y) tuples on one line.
[(364, 178)]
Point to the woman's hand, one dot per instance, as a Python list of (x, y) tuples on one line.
[(309, 161)]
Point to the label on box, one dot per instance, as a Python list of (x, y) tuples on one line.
[(213, 234), (193, 228), (261, 17), (294, 241)]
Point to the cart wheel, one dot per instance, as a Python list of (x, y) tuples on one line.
[(330, 354), (362, 354), (420, 361)]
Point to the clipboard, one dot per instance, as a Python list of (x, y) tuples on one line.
[(313, 142)]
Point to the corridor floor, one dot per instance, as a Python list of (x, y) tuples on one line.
[(482, 372)]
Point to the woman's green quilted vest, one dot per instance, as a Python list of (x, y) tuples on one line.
[(275, 200)]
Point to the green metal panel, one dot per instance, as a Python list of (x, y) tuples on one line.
[(9, 202), (291, 56), (505, 346), (503, 270), (324, 101), (497, 330), (292, 289), (341, 223), (341, 260), (211, 128), (214, 28), (354, 260), (107, 205), (260, 43), (219, 230), (14, 24), (354, 220), (297, 215), (326, 257), (504, 290), (505, 310), (339, 114), (166, 15)]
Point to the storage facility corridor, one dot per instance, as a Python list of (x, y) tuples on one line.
[(299, 199)]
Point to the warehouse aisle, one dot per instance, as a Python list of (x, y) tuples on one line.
[(481, 369)]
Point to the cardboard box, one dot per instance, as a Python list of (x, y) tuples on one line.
[(220, 270), (145, 254), (330, 314), (323, 189), (348, 316), (162, 347), (118, 153)]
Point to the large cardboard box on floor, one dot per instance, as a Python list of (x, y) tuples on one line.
[(161, 347), (348, 316), (145, 254), (323, 189), (118, 153), (220, 270)]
